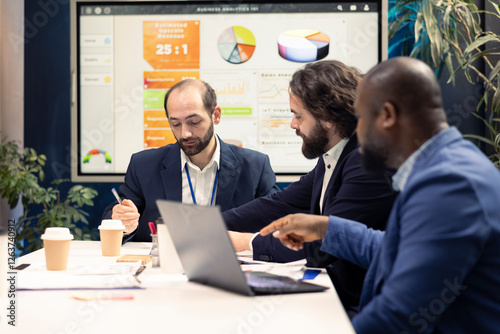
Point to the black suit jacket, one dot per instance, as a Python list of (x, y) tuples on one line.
[(244, 175), (351, 193)]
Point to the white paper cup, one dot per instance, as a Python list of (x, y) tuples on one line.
[(111, 231), (56, 241)]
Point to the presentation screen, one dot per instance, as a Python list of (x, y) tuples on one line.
[(127, 54)]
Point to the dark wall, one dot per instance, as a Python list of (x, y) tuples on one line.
[(460, 99), (47, 109), (47, 94)]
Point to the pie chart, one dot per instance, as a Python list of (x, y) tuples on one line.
[(236, 44), (303, 45)]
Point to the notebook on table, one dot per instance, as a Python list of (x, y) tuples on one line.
[(208, 257)]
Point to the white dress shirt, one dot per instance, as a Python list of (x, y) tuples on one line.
[(330, 158), (201, 180)]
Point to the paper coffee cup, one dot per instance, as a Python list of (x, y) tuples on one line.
[(56, 242), (111, 231)]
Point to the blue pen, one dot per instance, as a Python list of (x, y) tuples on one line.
[(113, 190)]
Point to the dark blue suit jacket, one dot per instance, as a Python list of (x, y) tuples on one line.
[(244, 175), (436, 268), (351, 193)]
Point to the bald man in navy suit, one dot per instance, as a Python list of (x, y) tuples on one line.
[(200, 168)]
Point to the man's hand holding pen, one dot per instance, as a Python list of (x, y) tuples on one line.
[(129, 215)]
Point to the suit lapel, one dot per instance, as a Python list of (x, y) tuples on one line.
[(336, 179), (317, 186), (171, 176), (229, 173)]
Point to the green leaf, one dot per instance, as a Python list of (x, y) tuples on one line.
[(78, 233), (480, 138), (88, 195), (418, 26), (76, 188), (494, 73), (449, 66), (432, 31), (496, 7), (449, 27), (488, 37), (495, 102), (398, 24), (488, 125)]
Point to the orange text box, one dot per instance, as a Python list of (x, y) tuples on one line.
[(158, 138), (156, 119), (172, 44), (166, 79)]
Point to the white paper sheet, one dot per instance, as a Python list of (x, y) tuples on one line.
[(109, 276)]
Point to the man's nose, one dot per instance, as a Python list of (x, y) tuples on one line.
[(186, 132)]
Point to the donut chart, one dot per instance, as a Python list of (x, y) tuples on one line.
[(303, 45), (236, 44), (96, 151)]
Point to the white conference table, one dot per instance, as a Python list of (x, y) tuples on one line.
[(170, 304)]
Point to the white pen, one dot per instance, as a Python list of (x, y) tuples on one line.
[(113, 190)]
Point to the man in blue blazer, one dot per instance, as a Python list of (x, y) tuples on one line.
[(321, 100), (436, 268), (199, 168)]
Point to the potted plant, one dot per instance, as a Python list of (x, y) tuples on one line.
[(448, 34), (21, 174)]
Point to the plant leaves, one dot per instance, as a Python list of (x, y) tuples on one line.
[(488, 125), (495, 102), (487, 37), (418, 26), (480, 138)]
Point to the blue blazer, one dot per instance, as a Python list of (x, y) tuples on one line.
[(351, 193), (436, 269), (244, 175)]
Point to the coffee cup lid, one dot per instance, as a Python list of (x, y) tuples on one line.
[(111, 224), (57, 233)]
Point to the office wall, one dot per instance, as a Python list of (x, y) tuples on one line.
[(11, 80), (47, 93)]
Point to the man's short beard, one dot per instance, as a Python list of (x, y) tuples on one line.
[(314, 145), (375, 155), (202, 143)]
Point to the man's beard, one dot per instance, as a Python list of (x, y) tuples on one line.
[(375, 154), (201, 144), (314, 145)]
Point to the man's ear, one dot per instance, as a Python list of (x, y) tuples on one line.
[(388, 116), (216, 115), (327, 125)]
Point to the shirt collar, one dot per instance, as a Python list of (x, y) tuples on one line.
[(215, 159), (333, 154), (400, 178)]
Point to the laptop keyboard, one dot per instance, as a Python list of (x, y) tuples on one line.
[(264, 283), (258, 281)]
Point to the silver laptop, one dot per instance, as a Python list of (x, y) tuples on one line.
[(208, 257)]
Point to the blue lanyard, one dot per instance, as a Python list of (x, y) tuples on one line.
[(191, 185)]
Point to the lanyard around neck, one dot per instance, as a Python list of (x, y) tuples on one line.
[(191, 185)]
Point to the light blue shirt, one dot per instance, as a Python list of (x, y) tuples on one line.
[(436, 267), (400, 178)]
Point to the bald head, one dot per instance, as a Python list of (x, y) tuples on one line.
[(411, 86), (399, 108), (206, 92)]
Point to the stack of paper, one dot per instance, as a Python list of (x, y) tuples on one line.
[(109, 276)]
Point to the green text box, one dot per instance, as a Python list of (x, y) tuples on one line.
[(153, 99), (236, 111)]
